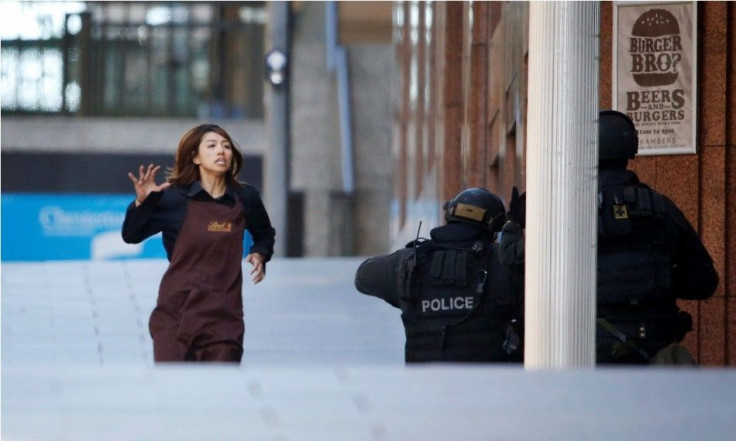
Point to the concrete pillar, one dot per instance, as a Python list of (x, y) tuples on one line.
[(561, 233), (278, 130)]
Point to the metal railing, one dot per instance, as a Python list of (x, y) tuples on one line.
[(102, 67)]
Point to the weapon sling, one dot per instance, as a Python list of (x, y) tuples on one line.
[(623, 338)]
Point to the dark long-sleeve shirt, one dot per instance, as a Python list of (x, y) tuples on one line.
[(165, 211)]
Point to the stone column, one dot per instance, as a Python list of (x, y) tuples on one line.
[(562, 154)]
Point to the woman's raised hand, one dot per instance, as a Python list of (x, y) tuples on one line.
[(146, 182)]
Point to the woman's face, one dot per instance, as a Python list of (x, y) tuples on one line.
[(214, 154)]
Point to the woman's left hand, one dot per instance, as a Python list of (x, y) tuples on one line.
[(259, 269)]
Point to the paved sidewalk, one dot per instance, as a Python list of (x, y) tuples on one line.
[(322, 362), (306, 311)]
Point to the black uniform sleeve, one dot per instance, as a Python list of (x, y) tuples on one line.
[(258, 223), (511, 247), (377, 276), (139, 223), (693, 275)]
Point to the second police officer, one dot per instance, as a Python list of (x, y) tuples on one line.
[(458, 303), (648, 256)]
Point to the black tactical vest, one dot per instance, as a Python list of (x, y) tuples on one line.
[(450, 307), (634, 261)]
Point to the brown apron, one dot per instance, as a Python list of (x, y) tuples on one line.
[(199, 311)]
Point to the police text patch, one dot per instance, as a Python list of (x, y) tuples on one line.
[(447, 304)]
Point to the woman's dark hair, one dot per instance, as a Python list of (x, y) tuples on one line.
[(185, 171)]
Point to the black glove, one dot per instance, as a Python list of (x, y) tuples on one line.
[(517, 208)]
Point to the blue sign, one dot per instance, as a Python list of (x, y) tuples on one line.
[(71, 227)]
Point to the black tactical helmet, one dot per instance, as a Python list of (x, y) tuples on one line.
[(477, 206), (617, 138)]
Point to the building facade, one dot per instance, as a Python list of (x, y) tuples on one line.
[(92, 89), (460, 121)]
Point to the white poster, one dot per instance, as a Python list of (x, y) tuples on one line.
[(654, 73)]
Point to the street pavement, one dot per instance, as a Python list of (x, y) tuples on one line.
[(322, 362), (306, 311)]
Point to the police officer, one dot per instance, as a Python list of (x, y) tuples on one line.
[(648, 257), (458, 303)]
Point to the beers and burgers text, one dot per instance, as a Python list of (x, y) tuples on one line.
[(655, 105)]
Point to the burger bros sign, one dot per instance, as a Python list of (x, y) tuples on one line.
[(654, 73)]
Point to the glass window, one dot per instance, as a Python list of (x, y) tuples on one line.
[(133, 58)]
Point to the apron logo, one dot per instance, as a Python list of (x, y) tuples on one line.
[(220, 227)]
